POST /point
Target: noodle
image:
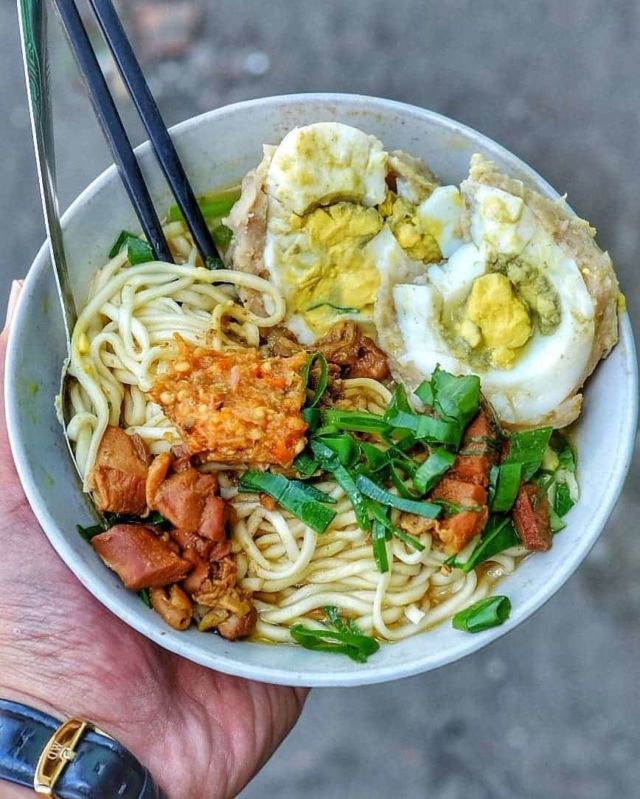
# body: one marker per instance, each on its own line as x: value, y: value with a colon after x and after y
x: 125, y: 337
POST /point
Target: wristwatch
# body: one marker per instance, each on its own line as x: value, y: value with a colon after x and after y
x: 70, y: 760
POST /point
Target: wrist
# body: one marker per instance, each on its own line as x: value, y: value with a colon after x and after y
x: 70, y: 758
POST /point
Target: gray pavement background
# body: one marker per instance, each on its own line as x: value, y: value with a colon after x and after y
x: 552, y: 710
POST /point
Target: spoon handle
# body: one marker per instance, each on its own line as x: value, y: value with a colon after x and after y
x: 32, y: 16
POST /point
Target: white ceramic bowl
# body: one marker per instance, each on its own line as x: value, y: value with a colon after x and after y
x: 217, y: 148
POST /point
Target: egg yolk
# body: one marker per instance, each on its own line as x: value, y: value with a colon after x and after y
x: 341, y: 278
x: 500, y: 320
x: 418, y: 243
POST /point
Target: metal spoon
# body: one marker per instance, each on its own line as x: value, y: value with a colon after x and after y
x: 32, y: 16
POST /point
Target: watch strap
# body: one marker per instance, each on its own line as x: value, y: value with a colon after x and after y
x: 101, y: 769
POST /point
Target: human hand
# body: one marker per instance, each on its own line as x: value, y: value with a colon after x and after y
x: 202, y: 735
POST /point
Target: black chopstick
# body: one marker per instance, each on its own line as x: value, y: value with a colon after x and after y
x: 165, y: 151
x: 113, y: 128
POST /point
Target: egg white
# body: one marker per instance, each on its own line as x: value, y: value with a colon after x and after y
x: 550, y: 366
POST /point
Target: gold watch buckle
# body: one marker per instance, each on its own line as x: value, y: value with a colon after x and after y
x: 58, y: 753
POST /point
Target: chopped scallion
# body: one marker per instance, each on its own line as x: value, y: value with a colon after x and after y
x: 527, y: 447
x: 499, y: 534
x: 431, y: 470
x: 490, y: 612
x: 292, y: 496
x: 387, y: 499
x: 323, y: 377
x: 358, y: 421
x: 506, y: 487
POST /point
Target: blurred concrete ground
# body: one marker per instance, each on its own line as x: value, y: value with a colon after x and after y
x: 552, y: 711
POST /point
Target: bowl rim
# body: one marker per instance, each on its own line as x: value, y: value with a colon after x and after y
x: 284, y: 676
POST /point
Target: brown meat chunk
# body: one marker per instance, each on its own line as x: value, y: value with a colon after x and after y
x: 119, y: 475
x: 222, y: 579
x: 472, y: 468
x: 235, y: 626
x: 416, y: 525
x: 215, y: 515
x: 531, y: 518
x: 481, y: 436
x: 185, y: 499
x: 157, y: 473
x: 456, y: 531
x: 235, y: 407
x: 460, y: 492
x: 357, y: 354
x: 139, y: 557
x: 173, y: 605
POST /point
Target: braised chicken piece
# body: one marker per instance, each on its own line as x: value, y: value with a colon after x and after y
x: 187, y: 499
x: 236, y: 407
x: 531, y: 518
x: 139, y: 557
x: 119, y: 475
x: 357, y: 354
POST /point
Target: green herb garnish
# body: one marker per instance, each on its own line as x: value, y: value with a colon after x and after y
x: 490, y: 612
x: 357, y: 421
x: 330, y: 462
x: 387, y: 499
x: 345, y: 639
x: 499, y: 534
x: 293, y: 496
x: 527, y: 448
x: 507, y: 483
x: 215, y: 207
x: 323, y: 378
x: 435, y: 466
x: 143, y: 593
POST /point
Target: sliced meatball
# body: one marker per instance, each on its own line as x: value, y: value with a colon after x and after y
x: 139, y: 557
x: 119, y: 475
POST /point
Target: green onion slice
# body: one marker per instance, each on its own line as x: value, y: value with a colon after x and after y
x: 386, y: 498
x: 506, y: 488
x: 222, y: 236
x: 292, y: 495
x: 323, y: 379
x: 376, y: 459
x: 215, y: 207
x: 90, y: 532
x: 143, y: 593
x: 379, y: 514
x: 379, y: 538
x: 490, y: 612
x: 305, y: 465
x: 345, y: 639
x: 428, y: 428
x: 213, y: 262
x: 424, y: 393
x: 431, y: 470
x: 330, y: 462
x: 397, y: 403
x: 527, y: 448
x: 357, y: 421
x: 456, y: 398
x: 138, y: 251
x: 499, y: 534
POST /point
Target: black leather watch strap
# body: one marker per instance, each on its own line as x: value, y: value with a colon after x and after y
x: 101, y: 769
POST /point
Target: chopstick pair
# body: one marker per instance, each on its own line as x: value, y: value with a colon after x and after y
x: 116, y: 135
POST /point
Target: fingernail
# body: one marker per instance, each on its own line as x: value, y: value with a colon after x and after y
x: 16, y: 288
